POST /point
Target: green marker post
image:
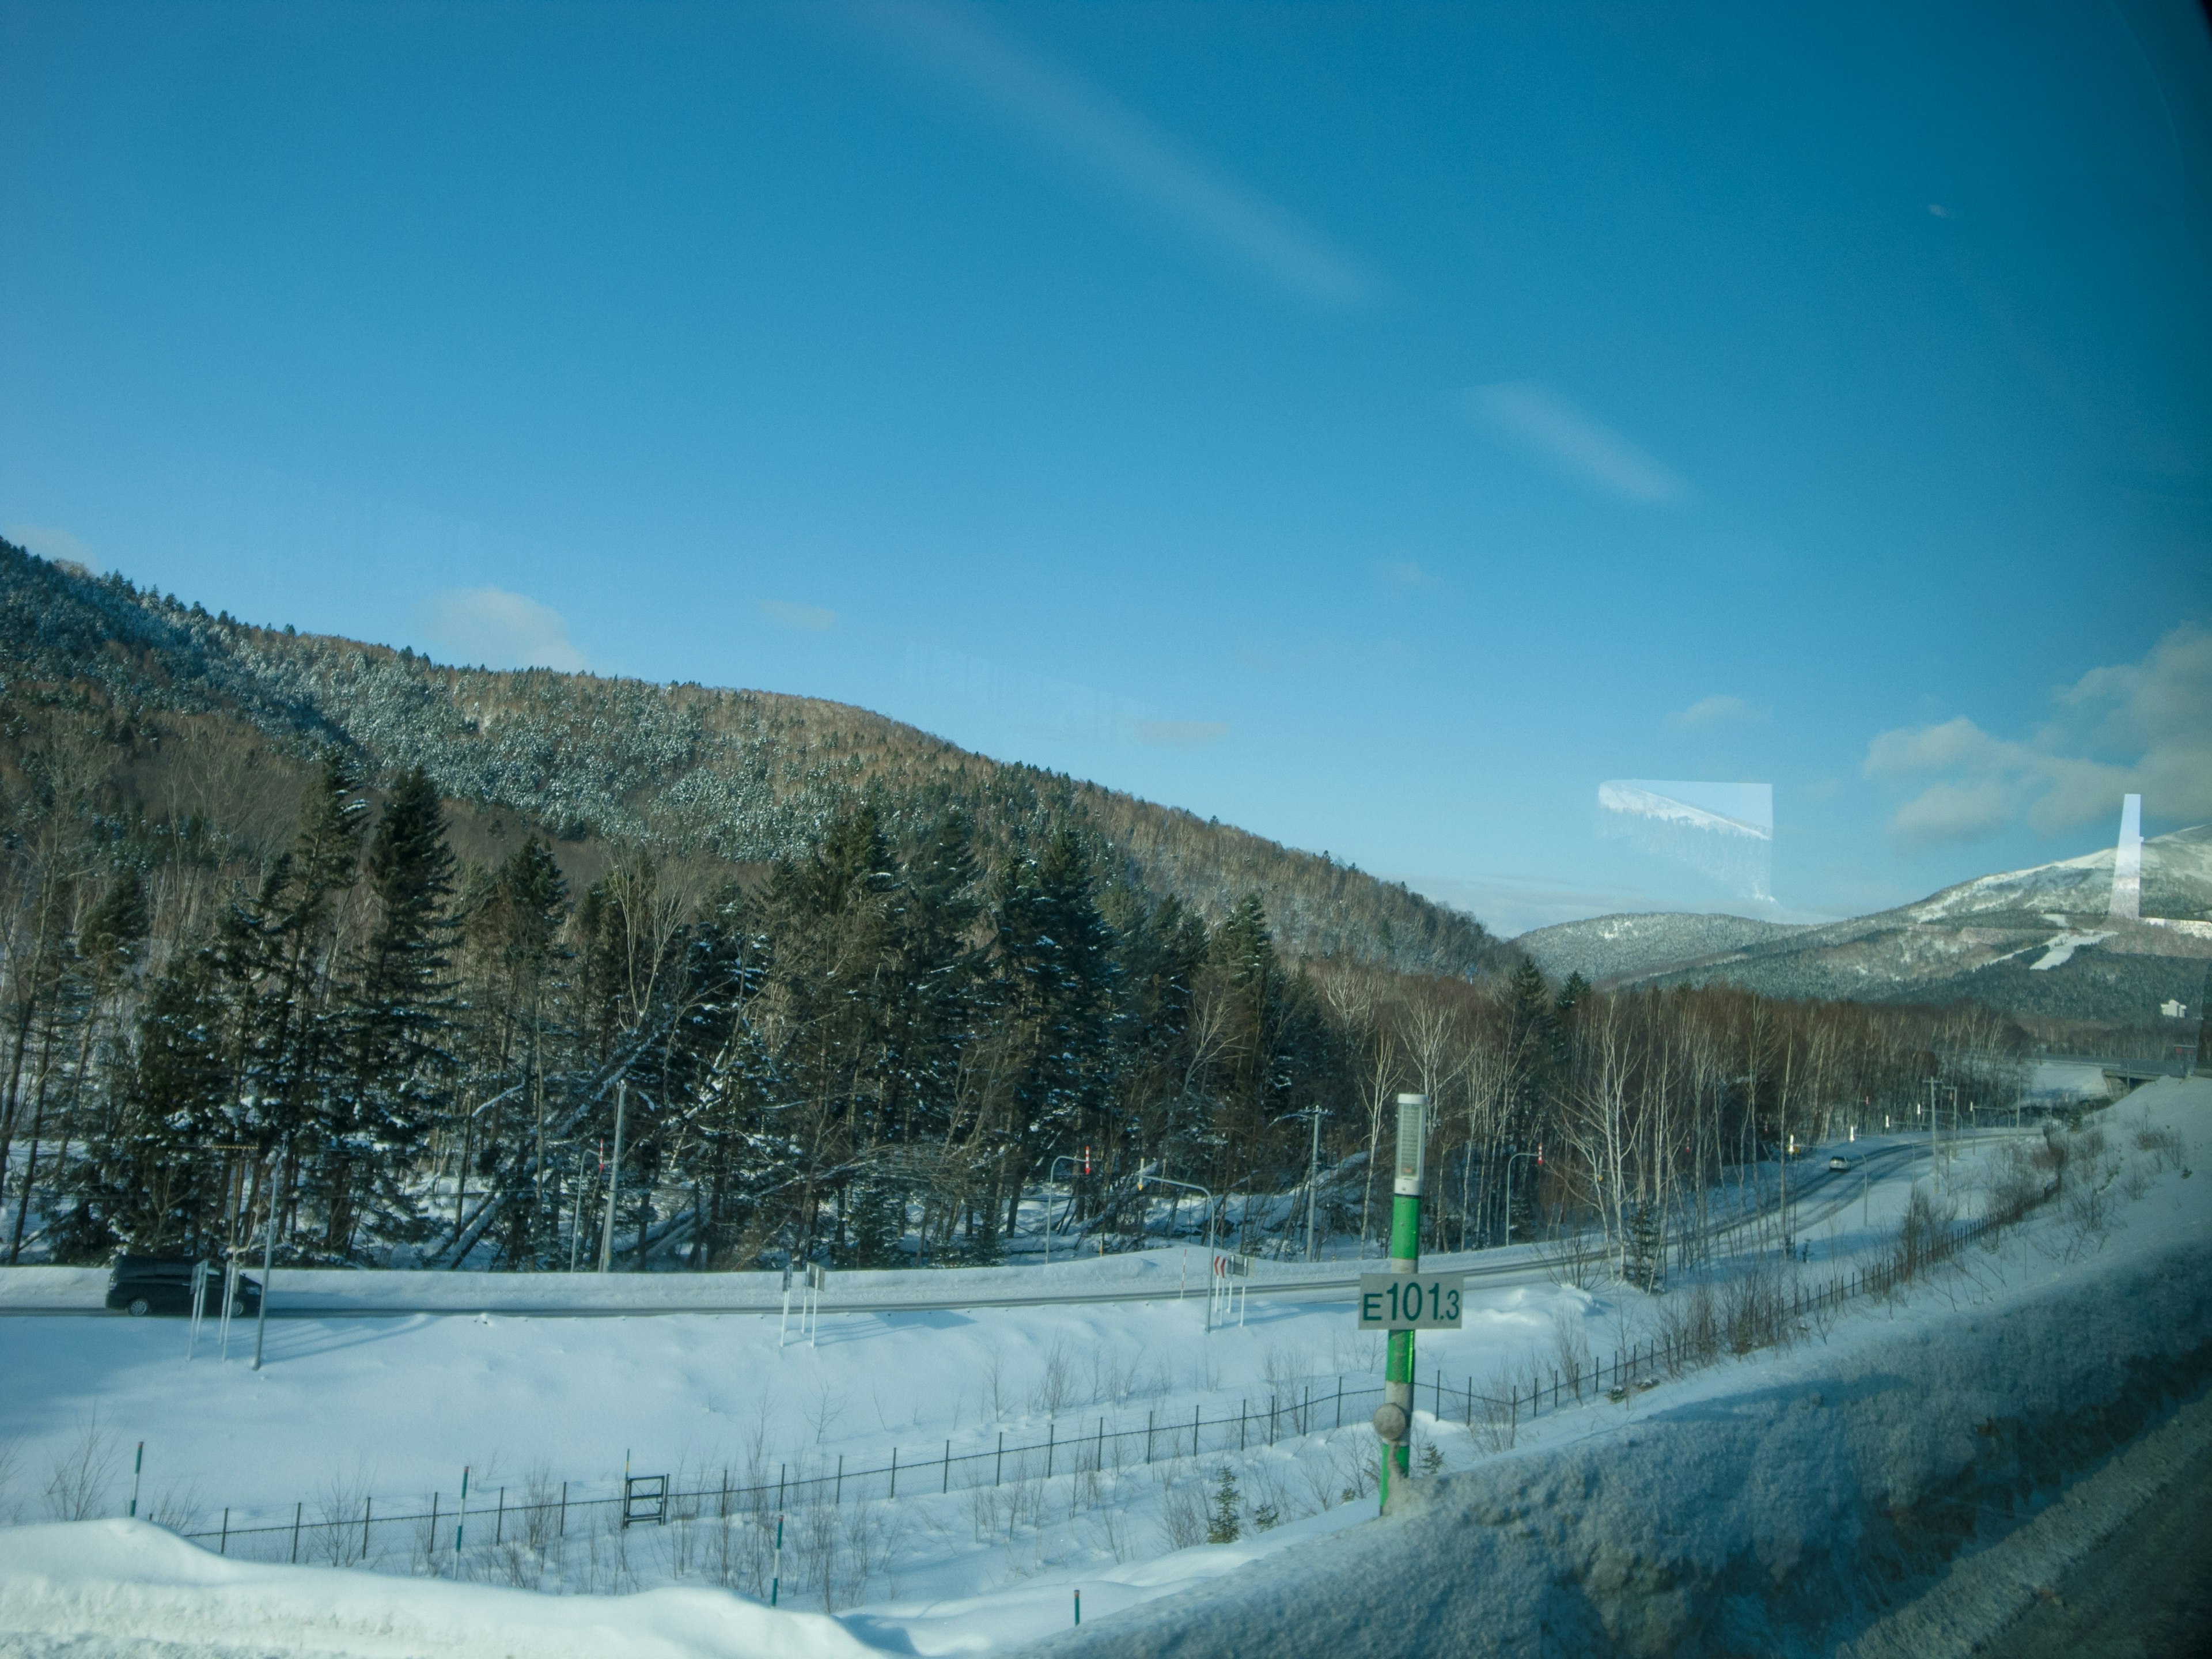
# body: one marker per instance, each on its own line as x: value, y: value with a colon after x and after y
x: 1394, y: 1419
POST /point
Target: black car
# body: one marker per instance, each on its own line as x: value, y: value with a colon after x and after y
x: 142, y: 1284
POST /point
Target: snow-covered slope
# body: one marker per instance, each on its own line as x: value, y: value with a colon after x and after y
x: 1770, y: 1507
x: 1606, y: 948
x: 1741, y: 1508
x: 2035, y: 941
x: 127, y: 1587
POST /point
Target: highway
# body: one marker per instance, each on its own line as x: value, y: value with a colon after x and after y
x: 1817, y: 1193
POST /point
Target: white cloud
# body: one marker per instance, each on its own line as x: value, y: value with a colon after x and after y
x: 800, y: 618
x: 1718, y: 710
x: 1539, y: 421
x: 1122, y: 147
x: 2141, y: 728
x: 48, y: 543
x: 500, y: 629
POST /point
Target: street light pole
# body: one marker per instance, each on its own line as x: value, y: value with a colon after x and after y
x: 614, y: 1178
x: 1538, y: 1156
x: 267, y: 1261
x: 1313, y: 1183
x: 1191, y: 1186
x: 1065, y: 1157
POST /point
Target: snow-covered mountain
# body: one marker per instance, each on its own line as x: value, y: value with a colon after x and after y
x: 1608, y: 948
x: 2037, y: 942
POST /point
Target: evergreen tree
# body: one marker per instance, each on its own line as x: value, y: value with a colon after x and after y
x: 399, y: 1060
x: 1225, y: 1522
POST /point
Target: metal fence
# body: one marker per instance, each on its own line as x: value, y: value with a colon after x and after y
x: 541, y: 1515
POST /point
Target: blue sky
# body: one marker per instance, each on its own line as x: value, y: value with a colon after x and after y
x: 1377, y: 427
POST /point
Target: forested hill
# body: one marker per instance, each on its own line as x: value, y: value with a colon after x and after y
x: 683, y: 770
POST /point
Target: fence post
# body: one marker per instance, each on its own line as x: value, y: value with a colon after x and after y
x: 1098, y: 1457
x: 1050, y: 1427
x: 433, y: 1526
x: 1240, y: 1425
x: 564, y: 1510
x: 837, y: 1493
x: 1339, y: 1401
x: 1470, y: 1400
x: 1193, y: 1431
x: 1149, y: 1411
x: 296, y: 1508
x: 499, y: 1521
x: 223, y: 1549
x: 998, y: 1469
x: 947, y: 1484
x: 365, y: 1506
x: 894, y: 1471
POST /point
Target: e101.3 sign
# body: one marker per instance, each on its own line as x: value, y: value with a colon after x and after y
x: 1409, y: 1302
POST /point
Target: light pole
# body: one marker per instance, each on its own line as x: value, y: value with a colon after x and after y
x: 1065, y: 1157
x: 1538, y: 1156
x: 1313, y: 1183
x: 268, y: 1258
x: 1188, y: 1187
x: 614, y: 1177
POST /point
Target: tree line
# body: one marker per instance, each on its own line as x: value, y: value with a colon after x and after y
x: 341, y: 1035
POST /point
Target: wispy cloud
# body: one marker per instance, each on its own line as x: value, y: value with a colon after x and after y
x: 49, y: 543
x: 1406, y: 574
x: 800, y: 618
x: 500, y: 629
x: 1717, y: 710
x: 1120, y: 147
x: 2142, y: 728
x: 1540, y: 423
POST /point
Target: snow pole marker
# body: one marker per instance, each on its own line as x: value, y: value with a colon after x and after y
x: 137, y: 1469
x: 1079, y: 1606
x: 775, y: 1579
x: 1393, y: 1419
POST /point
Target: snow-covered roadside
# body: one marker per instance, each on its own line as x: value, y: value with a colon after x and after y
x: 113, y: 1585
x: 1763, y: 1506
x: 959, y: 1593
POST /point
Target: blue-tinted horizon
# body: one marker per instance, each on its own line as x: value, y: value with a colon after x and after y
x: 1376, y: 429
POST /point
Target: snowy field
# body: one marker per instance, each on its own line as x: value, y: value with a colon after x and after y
x: 367, y: 1417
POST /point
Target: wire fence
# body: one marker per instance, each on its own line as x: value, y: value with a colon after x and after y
x: 346, y: 1530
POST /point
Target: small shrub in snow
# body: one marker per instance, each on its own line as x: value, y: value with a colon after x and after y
x: 1224, y: 1523
x: 77, y: 1483
x: 1182, y: 1507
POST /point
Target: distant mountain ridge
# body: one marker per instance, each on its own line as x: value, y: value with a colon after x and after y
x: 1607, y: 948
x: 742, y: 776
x: 2036, y: 942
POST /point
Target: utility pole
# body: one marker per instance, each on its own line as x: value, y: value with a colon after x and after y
x: 614, y: 1177
x: 1393, y: 1419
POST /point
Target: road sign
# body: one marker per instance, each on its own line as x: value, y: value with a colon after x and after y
x: 1410, y: 1302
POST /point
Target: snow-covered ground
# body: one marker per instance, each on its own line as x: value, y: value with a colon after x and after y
x: 386, y: 1412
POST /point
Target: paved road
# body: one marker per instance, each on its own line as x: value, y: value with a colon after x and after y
x: 1816, y: 1194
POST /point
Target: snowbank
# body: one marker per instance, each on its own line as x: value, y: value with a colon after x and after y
x: 1755, y: 1509
x: 106, y: 1586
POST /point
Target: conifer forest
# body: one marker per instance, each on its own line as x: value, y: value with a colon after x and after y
x: 240, y: 981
